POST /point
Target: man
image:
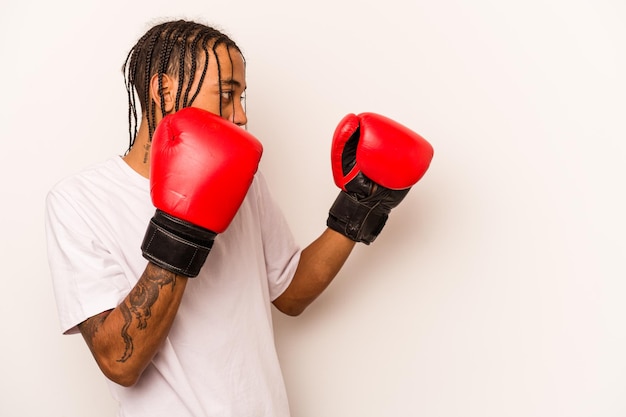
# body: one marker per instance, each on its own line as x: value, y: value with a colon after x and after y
x: 183, y: 326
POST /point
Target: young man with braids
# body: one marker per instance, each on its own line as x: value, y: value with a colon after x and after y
x: 167, y: 260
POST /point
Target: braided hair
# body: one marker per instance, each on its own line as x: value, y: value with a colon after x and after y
x: 174, y: 48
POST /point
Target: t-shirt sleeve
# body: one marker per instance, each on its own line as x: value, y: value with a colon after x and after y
x: 85, y: 276
x: 282, y: 253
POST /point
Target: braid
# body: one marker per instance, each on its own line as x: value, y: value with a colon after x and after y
x: 181, y: 69
x: 173, y: 48
x: 132, y: 111
x: 166, y: 51
x: 204, y: 69
x: 218, y: 42
x: 130, y: 79
x: 146, y: 86
x: 230, y: 58
x: 192, y: 71
x: 162, y: 69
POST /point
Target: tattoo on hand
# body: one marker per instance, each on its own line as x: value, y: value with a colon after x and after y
x: 90, y: 327
x: 140, y: 302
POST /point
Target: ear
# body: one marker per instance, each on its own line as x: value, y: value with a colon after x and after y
x: 168, y: 91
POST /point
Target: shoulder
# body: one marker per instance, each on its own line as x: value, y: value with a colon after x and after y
x: 97, y: 179
x: 84, y: 176
x: 97, y: 191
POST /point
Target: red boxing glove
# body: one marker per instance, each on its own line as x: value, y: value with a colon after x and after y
x: 375, y: 161
x: 201, y: 167
x: 387, y: 152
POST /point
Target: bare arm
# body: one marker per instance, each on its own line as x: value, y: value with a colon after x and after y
x: 124, y: 340
x: 319, y: 264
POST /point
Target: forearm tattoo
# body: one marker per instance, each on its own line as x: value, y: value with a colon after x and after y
x: 140, y: 302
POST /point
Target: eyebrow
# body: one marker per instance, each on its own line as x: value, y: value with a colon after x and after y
x: 231, y: 82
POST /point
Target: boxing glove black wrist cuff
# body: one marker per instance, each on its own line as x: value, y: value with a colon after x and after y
x: 355, y: 220
x: 176, y: 245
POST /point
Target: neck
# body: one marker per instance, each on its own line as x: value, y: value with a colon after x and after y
x: 138, y: 158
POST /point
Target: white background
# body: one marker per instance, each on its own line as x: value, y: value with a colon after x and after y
x: 497, y: 287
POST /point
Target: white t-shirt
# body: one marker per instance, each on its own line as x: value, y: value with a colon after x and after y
x: 219, y: 358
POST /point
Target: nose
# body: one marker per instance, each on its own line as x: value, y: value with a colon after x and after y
x: 238, y: 115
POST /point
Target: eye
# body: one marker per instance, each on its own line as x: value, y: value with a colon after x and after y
x: 227, y: 96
